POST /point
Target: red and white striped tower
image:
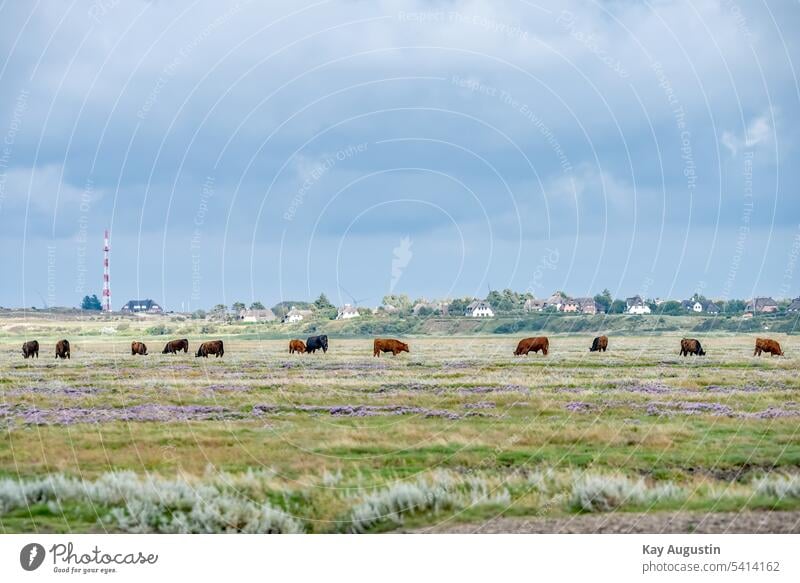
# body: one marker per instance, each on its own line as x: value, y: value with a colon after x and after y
x: 106, y: 277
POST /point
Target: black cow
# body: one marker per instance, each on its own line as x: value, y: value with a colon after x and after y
x: 315, y: 343
x: 30, y: 349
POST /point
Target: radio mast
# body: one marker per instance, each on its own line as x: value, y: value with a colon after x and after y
x: 106, y: 276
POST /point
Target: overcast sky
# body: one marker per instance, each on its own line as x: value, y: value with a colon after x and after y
x: 273, y: 150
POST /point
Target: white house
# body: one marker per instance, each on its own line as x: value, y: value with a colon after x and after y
x: 637, y: 306
x: 295, y: 315
x: 479, y: 309
x: 346, y: 312
x: 265, y: 315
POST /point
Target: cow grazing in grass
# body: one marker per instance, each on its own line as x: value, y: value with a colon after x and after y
x: 599, y: 344
x: 211, y: 347
x: 30, y: 349
x: 138, y: 348
x: 62, y: 349
x: 536, y: 344
x: 388, y: 345
x: 296, y: 346
x: 315, y: 343
x: 691, y: 346
x: 767, y: 345
x: 175, y: 346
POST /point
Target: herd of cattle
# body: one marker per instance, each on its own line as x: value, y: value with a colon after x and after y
x: 381, y: 345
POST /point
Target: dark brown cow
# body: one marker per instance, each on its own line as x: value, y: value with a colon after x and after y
x: 691, y: 346
x: 388, y: 345
x: 138, y: 348
x: 62, y: 349
x: 30, y: 349
x: 536, y: 344
x: 175, y: 346
x: 767, y: 345
x: 297, y: 346
x: 211, y: 347
x: 599, y: 344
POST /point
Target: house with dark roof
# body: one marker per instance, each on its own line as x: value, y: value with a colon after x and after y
x: 534, y: 305
x: 587, y: 306
x: 141, y: 307
x: 794, y: 306
x: 762, y: 306
x: 698, y: 306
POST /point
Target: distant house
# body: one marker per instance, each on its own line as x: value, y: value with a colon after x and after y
x: 425, y: 304
x: 692, y: 305
x: 479, y: 309
x: 762, y: 306
x: 636, y: 305
x: 557, y: 301
x: 295, y: 315
x: 571, y: 306
x: 698, y: 306
x: 142, y: 307
x: 587, y: 306
x: 794, y: 306
x: 533, y: 305
x: 265, y: 315
x: 346, y: 312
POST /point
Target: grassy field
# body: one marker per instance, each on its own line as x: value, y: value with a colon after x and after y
x: 459, y: 430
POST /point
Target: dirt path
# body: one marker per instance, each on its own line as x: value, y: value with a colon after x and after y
x: 622, y: 523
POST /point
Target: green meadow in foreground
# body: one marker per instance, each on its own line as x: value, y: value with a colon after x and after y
x: 458, y: 430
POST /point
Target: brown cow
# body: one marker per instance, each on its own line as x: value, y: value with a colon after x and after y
x: 211, y: 347
x: 691, y: 346
x: 599, y: 344
x: 388, y: 345
x: 536, y: 344
x: 175, y: 346
x: 767, y: 345
x: 138, y: 348
x: 62, y: 349
x: 296, y: 346
x: 30, y: 349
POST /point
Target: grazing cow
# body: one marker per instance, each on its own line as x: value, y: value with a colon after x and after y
x: 388, y: 345
x: 599, y: 344
x: 30, y: 348
x: 175, y: 346
x: 315, y: 343
x: 62, y: 349
x: 691, y: 346
x: 138, y: 348
x: 296, y: 346
x: 767, y: 345
x: 536, y: 344
x: 211, y: 347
